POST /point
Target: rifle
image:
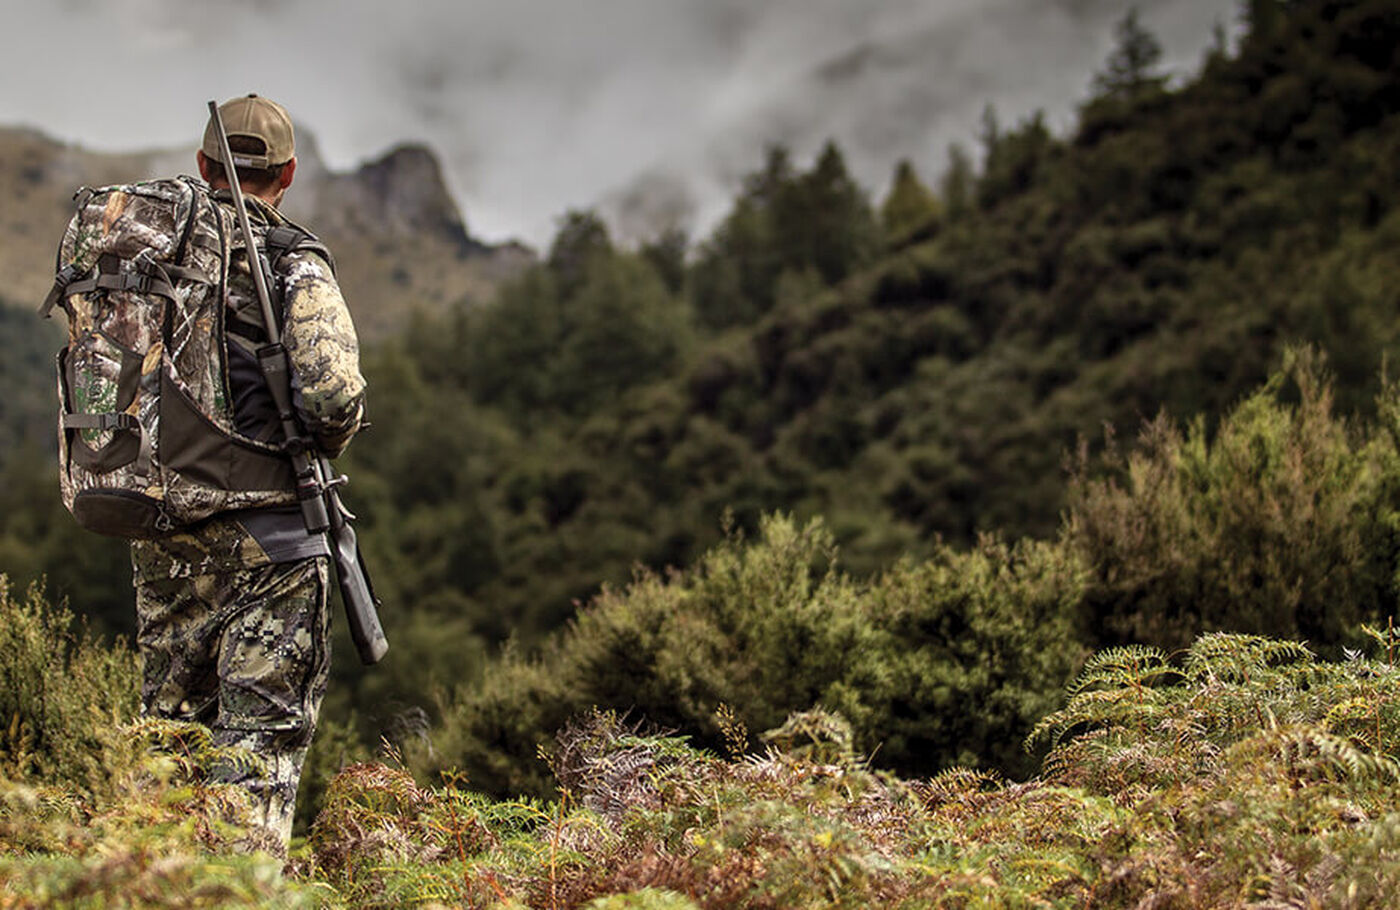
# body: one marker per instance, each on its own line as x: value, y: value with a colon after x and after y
x: 318, y: 488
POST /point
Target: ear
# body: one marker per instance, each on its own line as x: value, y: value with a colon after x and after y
x: 203, y: 161
x: 288, y: 171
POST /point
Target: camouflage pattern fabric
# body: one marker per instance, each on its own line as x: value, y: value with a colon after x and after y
x: 220, y: 544
x: 106, y: 330
x: 246, y: 653
x: 317, y: 332
x: 146, y: 218
x: 228, y: 637
x: 122, y: 428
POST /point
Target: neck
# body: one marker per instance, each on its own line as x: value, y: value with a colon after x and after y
x: 271, y: 198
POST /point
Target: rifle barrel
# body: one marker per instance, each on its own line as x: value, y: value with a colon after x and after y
x: 274, y: 334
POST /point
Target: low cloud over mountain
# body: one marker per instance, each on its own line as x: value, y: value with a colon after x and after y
x: 535, y: 106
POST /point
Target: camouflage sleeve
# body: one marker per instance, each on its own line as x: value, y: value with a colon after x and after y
x: 324, y: 352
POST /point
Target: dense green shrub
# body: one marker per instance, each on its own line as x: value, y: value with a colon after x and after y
x: 1282, y: 521
x: 1281, y: 518
x: 934, y: 663
x: 62, y: 694
x: 1242, y: 772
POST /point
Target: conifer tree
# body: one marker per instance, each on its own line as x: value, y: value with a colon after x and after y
x: 739, y: 264
x: 667, y: 253
x: 582, y: 236
x: 783, y: 221
x: 958, y: 181
x: 1263, y: 16
x: 1130, y: 67
x: 910, y: 206
x: 827, y: 220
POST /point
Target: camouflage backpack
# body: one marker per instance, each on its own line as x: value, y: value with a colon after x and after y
x: 146, y: 436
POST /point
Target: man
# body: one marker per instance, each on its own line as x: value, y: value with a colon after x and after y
x: 232, y: 614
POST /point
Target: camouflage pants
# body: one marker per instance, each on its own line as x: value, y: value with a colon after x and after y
x: 247, y: 654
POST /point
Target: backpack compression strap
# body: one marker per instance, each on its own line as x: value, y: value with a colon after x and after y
x: 147, y: 278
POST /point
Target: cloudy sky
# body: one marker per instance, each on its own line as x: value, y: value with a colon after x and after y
x: 650, y: 110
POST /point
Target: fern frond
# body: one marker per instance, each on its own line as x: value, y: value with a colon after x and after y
x: 1099, y: 708
x: 176, y: 736
x: 956, y: 783
x: 234, y: 763
x: 1126, y: 665
x: 1352, y: 717
x: 1306, y: 753
x: 1236, y: 657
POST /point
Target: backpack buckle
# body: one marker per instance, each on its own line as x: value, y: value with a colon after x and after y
x: 140, y: 282
x: 66, y: 276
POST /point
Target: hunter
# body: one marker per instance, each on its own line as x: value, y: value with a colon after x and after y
x: 232, y: 612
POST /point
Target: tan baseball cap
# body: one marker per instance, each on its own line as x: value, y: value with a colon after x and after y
x: 258, y: 117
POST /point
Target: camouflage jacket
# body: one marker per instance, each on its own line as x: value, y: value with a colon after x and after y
x: 317, y: 332
x: 328, y: 389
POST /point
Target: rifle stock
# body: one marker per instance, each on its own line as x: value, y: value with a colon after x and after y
x: 317, y: 487
x: 355, y: 588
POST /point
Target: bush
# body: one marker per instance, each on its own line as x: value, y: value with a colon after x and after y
x: 1282, y: 522
x: 62, y: 694
x: 946, y: 661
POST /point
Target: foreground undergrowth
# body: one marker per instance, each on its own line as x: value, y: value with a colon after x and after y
x: 1243, y: 771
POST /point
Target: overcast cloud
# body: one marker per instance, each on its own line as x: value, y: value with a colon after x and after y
x: 651, y: 110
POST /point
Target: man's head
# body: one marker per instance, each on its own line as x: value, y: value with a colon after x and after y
x: 264, y: 150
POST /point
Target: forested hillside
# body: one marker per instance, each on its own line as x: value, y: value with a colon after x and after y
x: 916, y: 371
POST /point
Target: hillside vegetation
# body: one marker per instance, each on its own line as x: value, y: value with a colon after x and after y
x: 1244, y: 771
x: 1047, y: 519
x: 911, y: 375
x: 920, y: 374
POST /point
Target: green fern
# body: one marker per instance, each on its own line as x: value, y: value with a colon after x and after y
x: 1233, y: 657
x: 1133, y: 666
x: 1309, y: 753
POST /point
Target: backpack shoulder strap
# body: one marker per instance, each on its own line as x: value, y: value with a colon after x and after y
x: 293, y: 238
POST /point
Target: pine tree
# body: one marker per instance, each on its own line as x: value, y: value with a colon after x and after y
x: 1129, y: 69
x: 667, y: 253
x: 958, y: 182
x: 783, y: 222
x: 910, y: 206
x: 738, y: 266
x: 582, y: 236
x: 826, y: 221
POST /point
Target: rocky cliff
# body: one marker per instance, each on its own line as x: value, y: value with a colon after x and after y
x: 400, y: 242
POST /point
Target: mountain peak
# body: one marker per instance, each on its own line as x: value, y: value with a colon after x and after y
x: 400, y: 194
x: 396, y: 232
